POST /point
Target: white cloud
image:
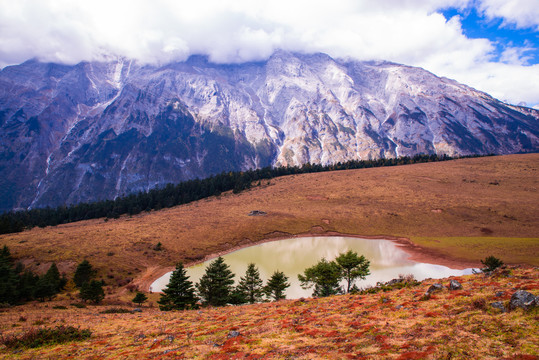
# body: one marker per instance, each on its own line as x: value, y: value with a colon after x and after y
x: 522, y: 13
x: 405, y: 31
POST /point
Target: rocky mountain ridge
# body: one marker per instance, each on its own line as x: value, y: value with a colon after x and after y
x: 99, y: 130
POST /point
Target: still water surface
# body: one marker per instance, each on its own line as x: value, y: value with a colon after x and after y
x: 293, y: 256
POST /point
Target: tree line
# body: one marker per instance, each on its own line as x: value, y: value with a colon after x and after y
x: 182, y: 193
x: 216, y: 286
x: 19, y: 285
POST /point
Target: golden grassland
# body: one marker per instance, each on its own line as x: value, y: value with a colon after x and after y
x: 398, y: 324
x: 455, y: 212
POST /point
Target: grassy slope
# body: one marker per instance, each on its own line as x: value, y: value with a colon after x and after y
x: 392, y: 325
x: 490, y: 204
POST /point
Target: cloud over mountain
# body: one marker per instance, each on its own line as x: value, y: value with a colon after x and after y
x: 232, y: 31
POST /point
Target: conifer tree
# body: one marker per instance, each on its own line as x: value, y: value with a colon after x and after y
x: 139, y: 298
x: 251, y: 284
x: 276, y: 286
x: 179, y: 293
x: 53, y: 276
x: 44, y: 288
x: 27, y: 285
x: 216, y: 284
x: 9, y: 279
x: 93, y: 291
x: 84, y: 273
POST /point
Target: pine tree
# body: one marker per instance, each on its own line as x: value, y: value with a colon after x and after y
x: 83, y: 274
x: 353, y: 267
x: 93, y: 291
x: 139, y: 298
x: 276, y: 286
x: 215, y: 286
x: 237, y: 297
x: 9, y: 279
x: 53, y: 276
x: 179, y: 293
x: 251, y: 284
x: 27, y: 285
x: 44, y: 288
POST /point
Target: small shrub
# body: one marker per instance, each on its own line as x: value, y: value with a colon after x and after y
x: 78, y: 305
x: 491, y: 263
x: 479, y: 304
x: 42, y: 337
x: 59, y: 307
x: 116, y: 311
x: 158, y: 247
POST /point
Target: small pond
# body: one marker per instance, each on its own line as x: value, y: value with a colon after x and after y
x: 293, y: 256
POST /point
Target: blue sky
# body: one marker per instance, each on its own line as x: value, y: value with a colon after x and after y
x: 491, y: 45
x: 476, y: 25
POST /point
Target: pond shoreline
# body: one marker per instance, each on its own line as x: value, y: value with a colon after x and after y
x: 416, y: 253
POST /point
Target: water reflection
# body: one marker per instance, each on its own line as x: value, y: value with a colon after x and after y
x: 293, y: 256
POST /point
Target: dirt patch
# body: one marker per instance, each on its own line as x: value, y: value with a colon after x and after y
x: 317, y: 197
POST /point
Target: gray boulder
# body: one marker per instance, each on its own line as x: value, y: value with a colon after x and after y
x: 434, y: 288
x: 498, y: 305
x: 524, y: 300
x: 454, y: 285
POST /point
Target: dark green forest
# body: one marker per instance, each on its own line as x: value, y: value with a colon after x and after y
x: 182, y: 193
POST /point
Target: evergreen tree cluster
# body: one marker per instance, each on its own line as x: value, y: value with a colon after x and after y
x: 182, y: 193
x: 216, y: 287
x: 90, y: 289
x: 18, y: 285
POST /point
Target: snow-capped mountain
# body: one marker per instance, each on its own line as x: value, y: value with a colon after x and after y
x: 99, y: 130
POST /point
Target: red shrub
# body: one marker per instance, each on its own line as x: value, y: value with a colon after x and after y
x: 413, y: 355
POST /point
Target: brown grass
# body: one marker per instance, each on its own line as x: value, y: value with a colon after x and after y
x: 491, y: 200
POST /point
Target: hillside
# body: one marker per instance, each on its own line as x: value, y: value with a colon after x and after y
x: 452, y: 213
x: 399, y: 324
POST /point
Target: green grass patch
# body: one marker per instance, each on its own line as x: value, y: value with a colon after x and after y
x: 116, y: 311
x: 43, y: 337
x: 509, y: 250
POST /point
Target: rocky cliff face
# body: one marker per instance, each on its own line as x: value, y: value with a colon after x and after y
x: 99, y: 130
